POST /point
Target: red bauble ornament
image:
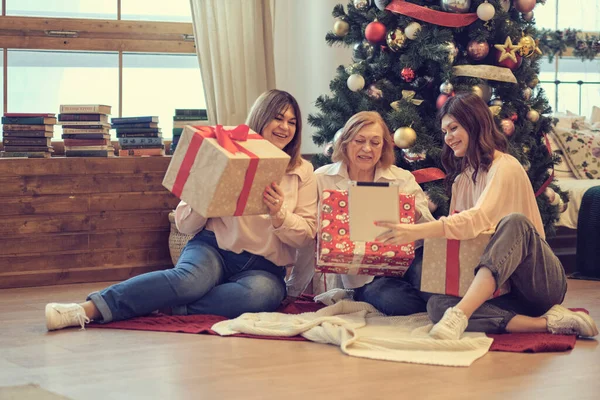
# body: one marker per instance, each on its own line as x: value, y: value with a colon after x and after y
x: 478, y: 50
x: 375, y: 32
x: 508, y: 62
x: 514, y: 117
x: 441, y: 100
x: 507, y: 126
x: 407, y: 74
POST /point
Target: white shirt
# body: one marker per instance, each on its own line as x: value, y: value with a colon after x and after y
x: 504, y: 189
x: 335, y: 177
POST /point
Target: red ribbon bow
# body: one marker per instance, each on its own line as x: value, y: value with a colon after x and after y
x: 228, y: 139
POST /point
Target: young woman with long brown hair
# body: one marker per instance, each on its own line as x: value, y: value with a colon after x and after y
x: 232, y: 265
x: 491, y: 190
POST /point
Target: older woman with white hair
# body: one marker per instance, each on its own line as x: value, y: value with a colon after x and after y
x: 365, y: 152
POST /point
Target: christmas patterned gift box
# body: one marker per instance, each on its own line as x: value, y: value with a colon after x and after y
x: 449, y: 265
x: 223, y: 171
x: 336, y: 253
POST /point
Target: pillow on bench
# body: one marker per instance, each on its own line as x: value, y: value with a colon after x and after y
x: 581, y: 150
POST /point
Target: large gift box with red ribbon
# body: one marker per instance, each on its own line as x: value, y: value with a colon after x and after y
x: 223, y: 171
x: 336, y: 253
x: 449, y: 265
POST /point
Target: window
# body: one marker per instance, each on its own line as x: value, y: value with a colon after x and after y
x: 40, y: 81
x: 144, y: 10
x: 579, y: 87
x: 99, y: 9
x: 157, y: 84
x: 79, y: 51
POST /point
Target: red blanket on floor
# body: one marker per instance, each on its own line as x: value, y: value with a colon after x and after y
x: 511, y: 342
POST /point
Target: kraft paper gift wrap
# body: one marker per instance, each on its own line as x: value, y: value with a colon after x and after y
x: 223, y: 171
x: 449, y: 265
x: 336, y: 253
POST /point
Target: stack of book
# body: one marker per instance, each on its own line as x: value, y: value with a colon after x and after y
x: 86, y: 130
x: 28, y: 135
x: 139, y: 136
x: 185, y: 117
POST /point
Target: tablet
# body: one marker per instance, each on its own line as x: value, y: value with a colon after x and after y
x: 369, y: 202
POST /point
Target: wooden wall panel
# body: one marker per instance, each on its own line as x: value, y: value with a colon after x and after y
x: 69, y: 220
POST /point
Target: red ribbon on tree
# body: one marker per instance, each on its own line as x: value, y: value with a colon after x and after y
x: 428, y: 175
x: 227, y: 139
x: 440, y: 18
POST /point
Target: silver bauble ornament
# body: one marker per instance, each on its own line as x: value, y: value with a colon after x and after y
x: 505, y: 5
x: 363, y: 51
x: 341, y: 28
x: 528, y: 16
x: 496, y: 101
x: 381, y: 4
x: 412, y: 30
x: 533, y: 115
x: 362, y: 5
x: 355, y: 82
x: 396, y: 39
x: 486, y: 11
x: 446, y: 87
x: 405, y: 137
x: 527, y: 92
x: 456, y: 6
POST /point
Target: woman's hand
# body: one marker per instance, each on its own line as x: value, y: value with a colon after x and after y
x: 273, y: 197
x: 398, y: 233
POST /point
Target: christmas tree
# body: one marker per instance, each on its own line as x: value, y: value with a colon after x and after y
x: 410, y: 56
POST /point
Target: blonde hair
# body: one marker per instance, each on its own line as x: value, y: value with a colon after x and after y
x: 266, y: 108
x: 353, y: 126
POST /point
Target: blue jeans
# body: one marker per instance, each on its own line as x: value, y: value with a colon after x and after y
x: 206, y: 280
x: 397, y: 296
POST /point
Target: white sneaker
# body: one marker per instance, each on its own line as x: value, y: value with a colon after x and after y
x: 562, y: 321
x: 60, y: 316
x: 451, y: 326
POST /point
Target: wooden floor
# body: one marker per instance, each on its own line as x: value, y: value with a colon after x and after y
x: 115, y: 364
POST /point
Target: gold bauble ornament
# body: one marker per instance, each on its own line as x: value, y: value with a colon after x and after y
x: 533, y: 83
x: 341, y: 28
x: 396, y: 39
x: 527, y: 46
x: 405, y: 137
x: 495, y: 110
x: 533, y: 115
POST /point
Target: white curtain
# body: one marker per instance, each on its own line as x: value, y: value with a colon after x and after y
x: 234, y: 42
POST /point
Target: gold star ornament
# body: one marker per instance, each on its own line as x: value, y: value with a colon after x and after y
x: 508, y: 50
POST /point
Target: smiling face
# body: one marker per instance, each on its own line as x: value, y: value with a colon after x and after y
x: 281, y: 130
x: 455, y: 136
x: 364, y: 149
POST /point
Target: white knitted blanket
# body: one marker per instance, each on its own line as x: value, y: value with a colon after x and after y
x: 361, y: 331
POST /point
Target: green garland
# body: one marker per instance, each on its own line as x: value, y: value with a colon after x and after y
x: 555, y: 43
